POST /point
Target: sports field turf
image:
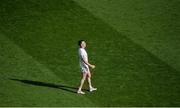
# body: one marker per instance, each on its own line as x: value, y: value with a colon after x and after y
x: 134, y: 44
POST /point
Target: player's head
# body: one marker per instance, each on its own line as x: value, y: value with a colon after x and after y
x: 82, y: 43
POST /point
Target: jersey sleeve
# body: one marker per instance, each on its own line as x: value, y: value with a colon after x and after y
x: 81, y: 54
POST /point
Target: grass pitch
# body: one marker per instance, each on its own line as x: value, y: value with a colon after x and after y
x: 39, y: 62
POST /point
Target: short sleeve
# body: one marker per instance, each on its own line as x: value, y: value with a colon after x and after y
x: 81, y: 54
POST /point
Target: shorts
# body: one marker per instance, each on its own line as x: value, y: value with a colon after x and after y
x: 85, y: 69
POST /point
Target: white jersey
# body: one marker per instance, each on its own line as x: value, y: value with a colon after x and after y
x: 83, y: 54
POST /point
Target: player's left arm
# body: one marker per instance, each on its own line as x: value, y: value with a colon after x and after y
x: 87, y: 63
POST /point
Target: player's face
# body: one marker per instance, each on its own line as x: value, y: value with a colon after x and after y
x: 83, y: 44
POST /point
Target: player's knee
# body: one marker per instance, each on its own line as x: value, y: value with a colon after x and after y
x: 84, y: 78
x: 89, y: 76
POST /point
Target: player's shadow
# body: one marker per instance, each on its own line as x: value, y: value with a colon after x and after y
x: 44, y: 84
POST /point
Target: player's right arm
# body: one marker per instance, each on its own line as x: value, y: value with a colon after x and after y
x: 84, y: 59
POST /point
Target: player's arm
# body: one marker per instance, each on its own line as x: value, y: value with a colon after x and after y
x: 87, y: 63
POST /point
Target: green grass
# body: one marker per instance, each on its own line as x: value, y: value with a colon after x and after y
x: 152, y: 24
x: 39, y: 62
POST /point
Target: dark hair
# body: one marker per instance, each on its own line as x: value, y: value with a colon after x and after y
x: 79, y: 42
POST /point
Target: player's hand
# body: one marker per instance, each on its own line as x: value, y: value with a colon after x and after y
x: 93, y: 66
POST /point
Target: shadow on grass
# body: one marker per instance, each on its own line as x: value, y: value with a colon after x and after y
x: 44, y: 84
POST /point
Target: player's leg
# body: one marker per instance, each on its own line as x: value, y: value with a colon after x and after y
x: 82, y: 82
x: 89, y: 81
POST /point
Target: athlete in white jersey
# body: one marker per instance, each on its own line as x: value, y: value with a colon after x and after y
x: 84, y: 65
x: 83, y: 55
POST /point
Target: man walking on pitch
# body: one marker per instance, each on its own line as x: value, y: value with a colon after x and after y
x: 84, y: 65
